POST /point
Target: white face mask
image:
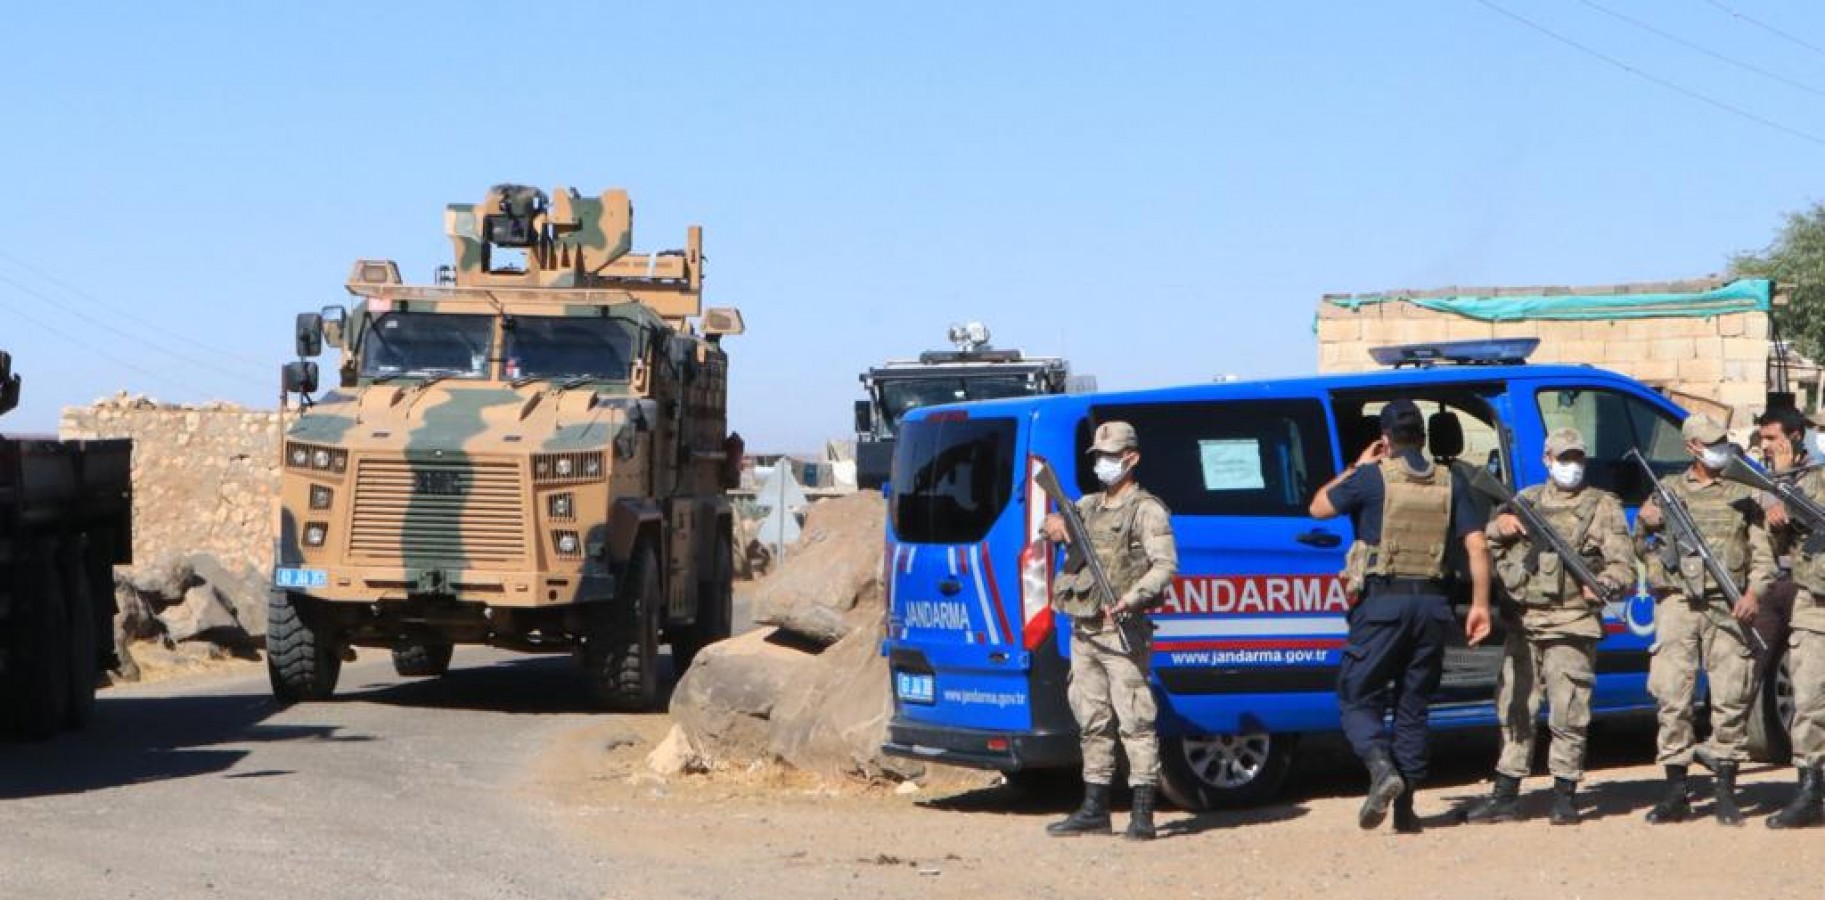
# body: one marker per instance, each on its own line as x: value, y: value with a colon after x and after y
x: 1108, y: 469
x: 1567, y: 475
x: 1715, y: 458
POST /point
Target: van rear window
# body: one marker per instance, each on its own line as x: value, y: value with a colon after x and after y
x: 1228, y: 457
x: 951, y: 479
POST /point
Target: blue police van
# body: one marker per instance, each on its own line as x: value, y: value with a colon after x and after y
x: 1248, y: 640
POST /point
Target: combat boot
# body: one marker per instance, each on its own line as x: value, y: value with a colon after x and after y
x: 1502, y: 805
x: 1140, y: 823
x: 1385, y: 785
x: 1565, y: 807
x: 1406, y: 821
x: 1808, y: 807
x: 1673, y: 805
x: 1726, y: 811
x: 1090, y: 818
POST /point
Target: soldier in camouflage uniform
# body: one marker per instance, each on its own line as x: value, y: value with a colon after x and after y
x: 1553, y: 625
x: 1694, y: 625
x: 1132, y: 534
x: 1806, y: 661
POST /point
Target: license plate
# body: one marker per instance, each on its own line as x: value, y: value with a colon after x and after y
x: 913, y: 688
x: 300, y: 578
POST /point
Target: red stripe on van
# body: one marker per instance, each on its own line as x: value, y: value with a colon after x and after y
x: 988, y: 572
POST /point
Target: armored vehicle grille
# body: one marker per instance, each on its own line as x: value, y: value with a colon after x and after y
x: 456, y: 511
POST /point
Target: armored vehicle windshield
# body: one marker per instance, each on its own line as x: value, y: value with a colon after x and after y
x: 427, y: 344
x: 899, y: 395
x: 570, y: 347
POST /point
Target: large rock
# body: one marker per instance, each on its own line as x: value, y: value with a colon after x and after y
x: 203, y: 613
x: 832, y: 718
x: 240, y: 585
x: 834, y: 568
x: 165, y: 578
x: 722, y: 704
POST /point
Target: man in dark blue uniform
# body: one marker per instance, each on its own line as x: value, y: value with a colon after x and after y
x: 1407, y: 512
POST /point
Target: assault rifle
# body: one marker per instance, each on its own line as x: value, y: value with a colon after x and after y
x: 1544, y: 539
x: 1080, y: 553
x: 1807, y: 510
x: 1686, y: 540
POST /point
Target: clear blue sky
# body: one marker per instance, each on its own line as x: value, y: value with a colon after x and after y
x: 1160, y: 192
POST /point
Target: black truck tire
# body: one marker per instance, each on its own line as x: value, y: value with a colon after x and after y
x: 422, y: 657
x: 715, y: 611
x: 37, y: 693
x: 81, y: 609
x: 303, y: 660
x: 621, y: 645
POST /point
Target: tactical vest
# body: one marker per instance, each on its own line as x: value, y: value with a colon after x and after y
x: 1809, y: 563
x: 1546, y: 583
x: 1112, y: 534
x: 1715, y: 511
x: 1415, y: 527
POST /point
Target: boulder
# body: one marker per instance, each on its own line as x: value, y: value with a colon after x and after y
x: 723, y: 702
x: 240, y: 585
x: 164, y: 579
x: 832, y: 718
x: 203, y: 613
x: 834, y: 568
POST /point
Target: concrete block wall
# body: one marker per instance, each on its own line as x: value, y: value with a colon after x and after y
x: 204, y: 477
x: 1723, y: 359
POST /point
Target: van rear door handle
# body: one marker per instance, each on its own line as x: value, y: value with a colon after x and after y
x: 1319, y: 537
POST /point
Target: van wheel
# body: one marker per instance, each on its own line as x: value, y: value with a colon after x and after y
x: 1771, y: 716
x: 715, y: 612
x: 422, y: 657
x: 303, y: 656
x: 1224, y: 770
x: 621, y: 646
x: 36, y: 704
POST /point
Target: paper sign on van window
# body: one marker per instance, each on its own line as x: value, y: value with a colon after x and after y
x: 1231, y: 465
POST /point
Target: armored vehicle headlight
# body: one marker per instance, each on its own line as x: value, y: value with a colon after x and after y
x: 592, y: 465
x: 561, y: 506
x: 321, y: 496
x: 564, y: 467
x: 300, y: 456
x: 320, y: 458
x: 567, y: 543
x: 315, y: 533
x: 541, y: 467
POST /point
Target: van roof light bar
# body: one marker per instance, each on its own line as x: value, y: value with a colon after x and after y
x: 1503, y: 351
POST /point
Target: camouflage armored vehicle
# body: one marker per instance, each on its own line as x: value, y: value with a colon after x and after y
x: 66, y: 514
x: 971, y: 371
x: 530, y: 453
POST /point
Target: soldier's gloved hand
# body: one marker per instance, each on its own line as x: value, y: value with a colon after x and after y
x: 1747, y: 607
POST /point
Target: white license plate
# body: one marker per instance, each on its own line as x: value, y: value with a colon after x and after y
x: 300, y: 578
x: 913, y: 688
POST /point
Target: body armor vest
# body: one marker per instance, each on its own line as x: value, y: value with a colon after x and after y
x: 1415, y: 522
x: 1545, y: 583
x: 1113, y: 537
x: 1717, y: 512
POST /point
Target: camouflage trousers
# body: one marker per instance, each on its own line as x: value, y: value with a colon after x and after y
x: 1688, y: 636
x: 1806, y: 663
x: 1110, y: 697
x: 1563, y: 671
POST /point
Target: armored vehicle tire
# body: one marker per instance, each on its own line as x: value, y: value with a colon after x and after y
x: 422, y: 657
x: 1771, y: 715
x: 37, y: 700
x: 621, y: 647
x: 1224, y: 770
x: 303, y: 660
x: 81, y: 607
x: 715, y: 612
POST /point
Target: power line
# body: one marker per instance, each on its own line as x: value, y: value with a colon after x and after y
x: 1691, y: 45
x: 1769, y: 28
x: 120, y: 332
x: 80, y: 343
x: 1678, y: 89
x: 148, y: 323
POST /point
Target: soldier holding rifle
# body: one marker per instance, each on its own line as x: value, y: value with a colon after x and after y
x: 1130, y: 533
x: 1706, y: 587
x: 1562, y: 551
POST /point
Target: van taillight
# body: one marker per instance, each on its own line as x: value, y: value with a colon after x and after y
x: 1035, y: 566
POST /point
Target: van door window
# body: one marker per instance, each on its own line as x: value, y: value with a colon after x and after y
x: 951, y: 478
x: 1613, y: 423
x: 1228, y: 458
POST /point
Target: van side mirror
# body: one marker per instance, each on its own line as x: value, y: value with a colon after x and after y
x: 864, y: 417
x: 308, y: 334
x: 334, y: 319
x: 299, y: 377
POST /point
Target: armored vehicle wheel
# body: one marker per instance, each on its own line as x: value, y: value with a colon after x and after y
x: 1771, y: 715
x: 38, y: 699
x: 715, y: 612
x: 81, y: 610
x: 621, y: 648
x: 1223, y: 770
x: 423, y: 657
x: 303, y: 659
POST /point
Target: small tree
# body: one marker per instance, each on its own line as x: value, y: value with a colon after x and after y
x: 1796, y: 261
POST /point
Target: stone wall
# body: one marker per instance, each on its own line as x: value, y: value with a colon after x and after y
x: 204, y: 477
x: 1721, y: 360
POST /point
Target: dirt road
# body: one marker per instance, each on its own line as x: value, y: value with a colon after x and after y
x: 493, y: 782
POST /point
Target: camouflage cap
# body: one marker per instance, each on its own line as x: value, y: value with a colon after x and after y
x: 1114, y: 437
x: 1564, y: 440
x: 1703, y: 429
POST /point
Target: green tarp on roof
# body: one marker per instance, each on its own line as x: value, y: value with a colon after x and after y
x: 1742, y: 295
